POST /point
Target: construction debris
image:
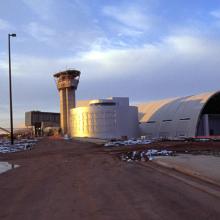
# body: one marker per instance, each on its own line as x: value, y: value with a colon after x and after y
x: 24, y: 144
x: 144, y: 155
x: 127, y: 142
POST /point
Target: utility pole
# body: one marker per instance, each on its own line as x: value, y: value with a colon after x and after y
x: 10, y: 86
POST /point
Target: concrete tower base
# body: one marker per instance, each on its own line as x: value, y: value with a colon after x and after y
x: 67, y: 82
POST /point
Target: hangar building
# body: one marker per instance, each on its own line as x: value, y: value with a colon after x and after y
x: 191, y: 116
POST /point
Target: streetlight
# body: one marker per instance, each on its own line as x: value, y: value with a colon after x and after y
x: 10, y: 85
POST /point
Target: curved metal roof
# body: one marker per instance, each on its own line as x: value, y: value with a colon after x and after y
x: 173, y: 117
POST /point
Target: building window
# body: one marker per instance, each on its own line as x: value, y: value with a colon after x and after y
x: 103, y: 104
x: 184, y: 119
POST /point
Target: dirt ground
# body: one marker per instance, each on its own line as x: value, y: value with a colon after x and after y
x: 61, y: 179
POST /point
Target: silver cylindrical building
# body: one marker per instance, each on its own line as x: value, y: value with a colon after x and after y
x: 105, y: 119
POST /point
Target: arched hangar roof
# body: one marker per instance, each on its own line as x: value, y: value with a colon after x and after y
x: 174, y: 117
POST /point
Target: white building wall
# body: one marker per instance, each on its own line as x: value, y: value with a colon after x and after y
x: 105, y: 122
x: 172, y: 118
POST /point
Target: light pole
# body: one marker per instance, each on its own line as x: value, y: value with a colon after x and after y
x: 10, y: 85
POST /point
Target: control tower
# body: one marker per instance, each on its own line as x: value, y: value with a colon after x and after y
x: 67, y: 82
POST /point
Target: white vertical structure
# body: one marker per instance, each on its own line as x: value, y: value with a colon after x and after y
x: 67, y: 82
x: 105, y: 119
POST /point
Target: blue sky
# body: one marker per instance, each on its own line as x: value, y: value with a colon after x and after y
x: 144, y: 49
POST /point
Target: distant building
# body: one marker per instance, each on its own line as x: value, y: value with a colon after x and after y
x: 40, y: 120
x: 191, y: 116
x: 105, y: 119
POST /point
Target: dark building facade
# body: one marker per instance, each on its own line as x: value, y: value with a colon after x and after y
x: 39, y: 120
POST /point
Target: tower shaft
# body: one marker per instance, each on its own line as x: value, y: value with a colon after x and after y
x: 67, y: 82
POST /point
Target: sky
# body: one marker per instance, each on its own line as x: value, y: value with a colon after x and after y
x: 141, y: 49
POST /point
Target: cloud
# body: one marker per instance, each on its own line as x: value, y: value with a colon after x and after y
x: 131, y: 17
x: 163, y: 58
x: 4, y: 25
x: 190, y: 45
x: 66, y: 39
x: 42, y: 9
x: 216, y: 13
x: 177, y: 65
x: 33, y: 88
x: 133, y: 49
x: 40, y: 32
